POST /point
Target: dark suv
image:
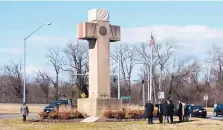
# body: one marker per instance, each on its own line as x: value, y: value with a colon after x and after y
x: 218, y: 110
x: 197, y: 111
x: 54, y: 104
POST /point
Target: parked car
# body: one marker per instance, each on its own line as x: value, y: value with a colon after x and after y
x: 218, y: 110
x: 189, y: 107
x: 197, y: 111
x: 54, y: 104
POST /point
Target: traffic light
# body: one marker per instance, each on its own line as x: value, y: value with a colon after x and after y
x: 114, y: 79
x: 143, y: 81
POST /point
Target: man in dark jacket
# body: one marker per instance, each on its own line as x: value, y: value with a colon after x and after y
x: 170, y: 111
x: 160, y: 112
x: 164, y: 111
x: 179, y: 111
x: 149, y: 111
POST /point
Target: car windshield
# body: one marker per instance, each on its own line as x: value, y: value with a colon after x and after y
x: 197, y: 107
x: 220, y: 105
x: 52, y: 104
x: 58, y: 102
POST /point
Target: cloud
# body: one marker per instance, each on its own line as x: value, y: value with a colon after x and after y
x: 31, y: 69
x: 163, y: 32
x: 14, y: 51
x: 192, y: 39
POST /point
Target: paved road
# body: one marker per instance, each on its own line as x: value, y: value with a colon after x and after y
x: 211, y: 116
x: 5, y: 116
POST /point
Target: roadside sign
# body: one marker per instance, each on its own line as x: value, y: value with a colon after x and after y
x: 206, y: 97
x: 161, y: 95
x: 125, y: 97
x: 83, y: 95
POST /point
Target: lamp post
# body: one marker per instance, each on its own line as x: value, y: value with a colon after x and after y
x: 24, y: 75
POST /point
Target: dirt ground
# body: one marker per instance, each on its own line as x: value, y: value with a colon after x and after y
x: 9, y: 108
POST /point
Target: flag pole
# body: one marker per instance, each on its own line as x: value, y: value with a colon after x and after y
x: 151, y: 74
x: 151, y: 69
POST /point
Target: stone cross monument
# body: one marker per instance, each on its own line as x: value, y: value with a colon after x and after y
x: 99, y: 34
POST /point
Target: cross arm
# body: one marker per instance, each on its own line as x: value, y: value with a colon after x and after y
x: 86, y: 31
x: 115, y: 33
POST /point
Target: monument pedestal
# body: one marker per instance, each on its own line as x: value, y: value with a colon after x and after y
x: 96, y: 106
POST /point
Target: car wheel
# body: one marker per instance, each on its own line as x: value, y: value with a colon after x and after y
x: 215, y: 114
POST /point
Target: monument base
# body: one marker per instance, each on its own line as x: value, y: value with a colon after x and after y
x: 96, y: 106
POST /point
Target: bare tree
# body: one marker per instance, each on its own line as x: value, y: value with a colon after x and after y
x: 143, y: 53
x: 127, y: 59
x: 44, y: 81
x: 215, y: 61
x: 185, y: 75
x: 163, y: 51
x: 77, y: 63
x: 56, y: 60
x: 14, y: 82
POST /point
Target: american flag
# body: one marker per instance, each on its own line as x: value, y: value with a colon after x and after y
x: 152, y: 41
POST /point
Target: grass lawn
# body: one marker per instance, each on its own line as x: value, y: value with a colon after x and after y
x: 195, y: 124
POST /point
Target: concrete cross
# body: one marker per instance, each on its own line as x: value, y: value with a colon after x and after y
x: 99, y: 34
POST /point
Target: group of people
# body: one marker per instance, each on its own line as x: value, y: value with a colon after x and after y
x: 165, y: 111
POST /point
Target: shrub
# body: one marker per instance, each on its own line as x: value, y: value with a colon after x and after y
x: 109, y: 114
x: 64, y: 115
x: 43, y: 115
x: 76, y: 114
x: 135, y: 114
x: 65, y: 108
x: 53, y: 115
x: 119, y: 114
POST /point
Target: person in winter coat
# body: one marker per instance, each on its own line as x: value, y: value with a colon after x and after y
x: 186, y: 113
x: 164, y: 106
x: 24, y: 111
x: 170, y: 111
x: 180, y: 111
x: 160, y: 111
x: 149, y: 111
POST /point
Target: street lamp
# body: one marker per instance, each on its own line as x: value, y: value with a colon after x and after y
x: 24, y: 75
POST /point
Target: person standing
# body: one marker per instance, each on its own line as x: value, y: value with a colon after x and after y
x: 149, y: 111
x: 170, y: 111
x: 24, y: 111
x: 215, y: 105
x: 164, y: 106
x: 160, y: 112
x: 183, y: 111
x: 186, y: 113
x: 179, y: 111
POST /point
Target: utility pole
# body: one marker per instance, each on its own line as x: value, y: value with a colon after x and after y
x: 143, y: 92
x: 118, y: 77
